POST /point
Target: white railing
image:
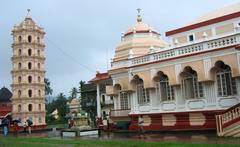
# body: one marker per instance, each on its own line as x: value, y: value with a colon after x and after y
x: 227, y: 118
x: 186, y: 50
x: 119, y: 64
x: 119, y: 113
x: 190, y: 48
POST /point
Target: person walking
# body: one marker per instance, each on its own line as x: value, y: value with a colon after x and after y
x: 140, y: 124
x: 29, y: 123
x: 69, y: 123
x: 15, y: 127
x: 5, y: 124
x: 25, y: 127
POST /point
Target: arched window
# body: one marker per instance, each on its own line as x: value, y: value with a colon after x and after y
x: 226, y: 84
x: 38, y: 39
x: 39, y: 107
x: 19, y: 52
x: 142, y: 93
x: 38, y: 52
x: 29, y: 38
x: 30, y: 107
x: 19, y: 38
x: 30, y: 93
x: 29, y: 65
x: 39, y: 92
x: 191, y: 88
x: 39, y: 66
x: 29, y: 79
x: 164, y: 91
x: 19, y: 93
x: 19, y: 108
x: 39, y: 79
x: 124, y: 100
x: 19, y: 79
x: 19, y: 65
x: 29, y: 52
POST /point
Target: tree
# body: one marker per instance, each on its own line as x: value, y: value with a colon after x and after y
x: 88, y: 99
x: 73, y: 93
x: 61, y: 105
x: 48, y: 89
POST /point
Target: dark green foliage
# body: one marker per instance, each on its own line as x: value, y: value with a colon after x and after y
x: 48, y: 89
x: 73, y: 94
x: 61, y: 105
x: 88, y: 99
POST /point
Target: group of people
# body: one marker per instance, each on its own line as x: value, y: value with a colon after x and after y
x: 5, y: 124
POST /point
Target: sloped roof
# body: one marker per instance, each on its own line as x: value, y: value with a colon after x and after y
x: 5, y: 95
x: 100, y: 77
x: 217, y: 13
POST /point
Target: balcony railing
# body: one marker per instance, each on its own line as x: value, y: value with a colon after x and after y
x: 183, y: 50
x: 119, y: 113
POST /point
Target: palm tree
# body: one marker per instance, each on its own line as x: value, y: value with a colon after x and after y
x: 48, y: 89
x: 73, y: 93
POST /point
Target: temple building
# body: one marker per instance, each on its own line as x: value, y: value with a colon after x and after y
x: 190, y: 83
x: 28, y: 86
x: 5, y: 102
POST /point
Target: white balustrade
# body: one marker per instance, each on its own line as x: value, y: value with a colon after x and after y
x: 227, y: 117
x: 117, y: 113
x: 187, y: 49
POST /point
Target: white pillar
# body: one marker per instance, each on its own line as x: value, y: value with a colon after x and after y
x: 98, y: 101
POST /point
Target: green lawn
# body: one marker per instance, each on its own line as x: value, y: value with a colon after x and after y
x: 51, y: 142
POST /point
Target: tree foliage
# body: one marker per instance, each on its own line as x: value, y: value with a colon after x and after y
x: 88, y: 99
x: 48, y: 89
x: 61, y: 105
x: 73, y: 93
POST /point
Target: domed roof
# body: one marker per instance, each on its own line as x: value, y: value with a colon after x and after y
x: 217, y: 13
x: 5, y: 95
x: 139, y: 40
x: 140, y: 27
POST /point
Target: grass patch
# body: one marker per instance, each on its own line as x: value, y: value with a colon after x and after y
x: 57, y: 126
x: 52, y: 142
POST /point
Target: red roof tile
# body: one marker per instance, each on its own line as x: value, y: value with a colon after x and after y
x: 5, y: 110
x: 100, y: 77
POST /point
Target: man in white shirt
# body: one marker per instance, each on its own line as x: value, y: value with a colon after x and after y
x: 140, y: 124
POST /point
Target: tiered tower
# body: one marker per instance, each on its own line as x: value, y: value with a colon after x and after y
x: 28, y: 72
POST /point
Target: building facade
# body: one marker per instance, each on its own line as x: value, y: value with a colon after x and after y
x: 28, y: 72
x: 104, y: 102
x: 182, y: 84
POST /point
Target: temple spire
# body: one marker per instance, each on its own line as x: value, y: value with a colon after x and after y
x: 139, y: 18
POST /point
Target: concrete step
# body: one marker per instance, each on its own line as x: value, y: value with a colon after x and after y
x: 232, y: 130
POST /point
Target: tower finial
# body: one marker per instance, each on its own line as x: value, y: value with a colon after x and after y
x: 139, y: 18
x: 28, y: 13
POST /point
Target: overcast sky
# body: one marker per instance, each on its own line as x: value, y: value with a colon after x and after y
x: 82, y: 34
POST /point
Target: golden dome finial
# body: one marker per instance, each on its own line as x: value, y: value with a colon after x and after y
x: 139, y: 18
